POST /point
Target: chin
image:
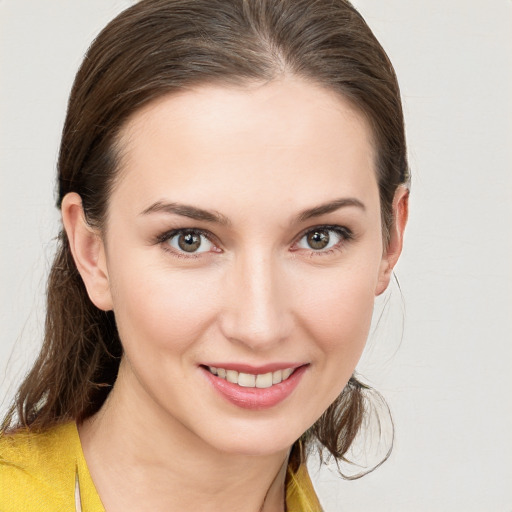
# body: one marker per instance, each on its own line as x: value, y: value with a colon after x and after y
x: 254, y: 437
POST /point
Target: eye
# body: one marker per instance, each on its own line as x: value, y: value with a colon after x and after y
x: 189, y: 241
x: 323, y: 238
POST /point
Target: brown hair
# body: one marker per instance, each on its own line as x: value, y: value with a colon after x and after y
x: 150, y: 50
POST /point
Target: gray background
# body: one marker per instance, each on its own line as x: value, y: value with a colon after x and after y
x: 447, y: 374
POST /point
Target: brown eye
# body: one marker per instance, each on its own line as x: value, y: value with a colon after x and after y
x: 189, y: 242
x: 323, y: 238
x: 318, y: 239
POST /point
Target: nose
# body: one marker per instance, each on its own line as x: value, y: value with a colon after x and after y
x: 257, y: 311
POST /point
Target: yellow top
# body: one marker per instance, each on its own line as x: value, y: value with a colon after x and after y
x: 40, y: 471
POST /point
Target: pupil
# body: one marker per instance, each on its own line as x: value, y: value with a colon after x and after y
x: 318, y: 239
x: 189, y: 242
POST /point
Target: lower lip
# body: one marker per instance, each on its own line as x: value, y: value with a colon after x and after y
x: 256, y: 398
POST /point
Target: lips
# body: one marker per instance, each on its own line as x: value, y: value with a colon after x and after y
x: 254, y: 388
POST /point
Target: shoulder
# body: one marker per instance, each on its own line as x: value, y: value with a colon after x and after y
x: 37, y: 469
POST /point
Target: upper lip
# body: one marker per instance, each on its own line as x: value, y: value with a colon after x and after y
x: 255, y: 370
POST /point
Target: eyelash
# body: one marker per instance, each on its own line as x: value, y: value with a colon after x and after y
x: 164, y: 238
x: 344, y: 233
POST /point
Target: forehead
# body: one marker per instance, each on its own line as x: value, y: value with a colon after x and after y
x: 287, y: 140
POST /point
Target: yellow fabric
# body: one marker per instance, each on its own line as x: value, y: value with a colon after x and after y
x: 300, y: 494
x: 38, y: 471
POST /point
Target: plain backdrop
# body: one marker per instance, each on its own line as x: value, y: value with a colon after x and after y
x: 447, y: 373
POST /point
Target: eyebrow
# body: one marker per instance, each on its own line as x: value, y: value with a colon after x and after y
x: 330, y: 207
x: 187, y: 211
x: 215, y: 217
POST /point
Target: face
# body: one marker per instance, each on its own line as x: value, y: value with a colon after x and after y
x: 243, y: 249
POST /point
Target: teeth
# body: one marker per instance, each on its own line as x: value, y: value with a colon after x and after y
x: 287, y: 372
x: 248, y: 380
x: 232, y: 376
x: 277, y: 377
x: 264, y: 380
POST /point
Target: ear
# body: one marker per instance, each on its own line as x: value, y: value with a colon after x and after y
x: 396, y: 237
x: 88, y: 251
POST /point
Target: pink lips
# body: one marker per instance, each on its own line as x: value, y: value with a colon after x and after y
x: 256, y: 398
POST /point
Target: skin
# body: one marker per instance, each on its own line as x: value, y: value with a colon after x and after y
x: 257, y: 156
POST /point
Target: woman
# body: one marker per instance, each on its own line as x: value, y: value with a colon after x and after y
x: 232, y: 182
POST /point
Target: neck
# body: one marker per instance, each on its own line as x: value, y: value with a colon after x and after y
x: 141, y: 459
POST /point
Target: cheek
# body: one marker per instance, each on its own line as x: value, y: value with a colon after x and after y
x: 160, y: 307
x: 336, y: 316
x: 337, y: 311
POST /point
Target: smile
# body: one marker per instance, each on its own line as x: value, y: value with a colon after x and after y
x: 254, y: 390
x: 249, y: 380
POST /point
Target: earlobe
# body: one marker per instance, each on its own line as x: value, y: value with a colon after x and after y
x: 396, y: 236
x: 88, y: 251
